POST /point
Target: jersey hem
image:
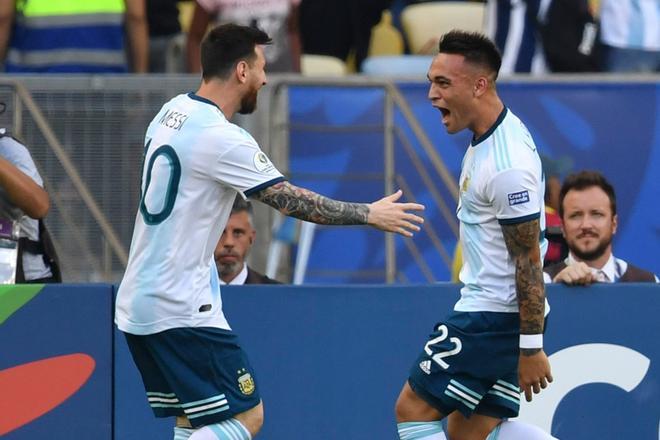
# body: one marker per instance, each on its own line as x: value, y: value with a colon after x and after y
x: 148, y: 329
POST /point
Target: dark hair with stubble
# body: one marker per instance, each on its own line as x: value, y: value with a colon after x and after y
x: 585, y: 180
x: 226, y: 45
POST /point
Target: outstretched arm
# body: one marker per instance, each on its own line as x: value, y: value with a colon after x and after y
x: 522, y: 242
x: 385, y: 214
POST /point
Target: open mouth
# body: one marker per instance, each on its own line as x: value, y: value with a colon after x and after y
x: 445, y: 113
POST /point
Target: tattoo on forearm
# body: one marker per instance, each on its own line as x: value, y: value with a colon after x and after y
x: 522, y: 241
x: 312, y: 207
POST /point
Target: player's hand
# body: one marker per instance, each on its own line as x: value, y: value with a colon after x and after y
x: 533, y: 373
x: 388, y: 215
x: 576, y: 274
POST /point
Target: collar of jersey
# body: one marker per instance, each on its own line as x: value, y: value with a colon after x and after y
x: 490, y: 131
x: 196, y: 97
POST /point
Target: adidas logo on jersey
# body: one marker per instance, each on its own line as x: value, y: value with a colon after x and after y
x: 425, y: 366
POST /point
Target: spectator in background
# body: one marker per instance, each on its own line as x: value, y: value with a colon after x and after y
x: 73, y: 36
x: 23, y: 205
x: 569, y: 32
x: 630, y: 33
x: 513, y: 26
x: 588, y: 212
x: 339, y: 28
x: 557, y: 248
x: 164, y: 31
x: 278, y: 18
x: 234, y: 246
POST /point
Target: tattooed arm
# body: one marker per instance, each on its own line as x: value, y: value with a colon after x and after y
x: 301, y: 203
x: 522, y: 242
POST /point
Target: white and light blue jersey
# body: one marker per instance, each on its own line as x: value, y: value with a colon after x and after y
x: 501, y: 183
x: 631, y: 24
x: 195, y: 162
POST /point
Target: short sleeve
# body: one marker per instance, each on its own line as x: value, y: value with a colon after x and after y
x: 246, y: 168
x: 516, y: 195
x: 19, y: 156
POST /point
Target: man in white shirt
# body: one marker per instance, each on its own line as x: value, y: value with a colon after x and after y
x: 630, y: 35
x: 169, y: 304
x: 589, y: 222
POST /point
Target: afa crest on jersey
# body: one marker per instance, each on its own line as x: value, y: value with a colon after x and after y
x: 465, y: 184
x: 246, y: 383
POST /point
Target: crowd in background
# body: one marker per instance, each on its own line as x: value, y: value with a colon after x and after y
x: 537, y: 36
x: 164, y: 36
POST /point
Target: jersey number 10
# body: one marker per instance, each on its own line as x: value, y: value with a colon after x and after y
x: 168, y: 153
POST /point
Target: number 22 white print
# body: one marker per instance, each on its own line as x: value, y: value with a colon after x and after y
x: 438, y: 357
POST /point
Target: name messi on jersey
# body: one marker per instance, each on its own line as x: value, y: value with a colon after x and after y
x: 173, y: 120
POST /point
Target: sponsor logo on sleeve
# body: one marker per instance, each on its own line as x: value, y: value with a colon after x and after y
x: 518, y: 198
x: 262, y: 163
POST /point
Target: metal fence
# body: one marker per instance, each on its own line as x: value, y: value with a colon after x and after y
x: 99, y: 122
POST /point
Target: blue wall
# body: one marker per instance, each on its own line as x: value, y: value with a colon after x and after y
x: 611, y: 127
x: 330, y: 361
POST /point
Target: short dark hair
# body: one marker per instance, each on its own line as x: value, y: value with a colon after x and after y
x: 226, y: 45
x: 240, y: 205
x: 475, y: 47
x: 584, y: 180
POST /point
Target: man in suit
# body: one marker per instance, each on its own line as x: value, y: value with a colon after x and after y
x: 234, y: 246
x: 587, y: 206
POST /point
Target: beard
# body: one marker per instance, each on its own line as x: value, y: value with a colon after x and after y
x: 248, y: 103
x: 595, y: 253
x: 227, y: 269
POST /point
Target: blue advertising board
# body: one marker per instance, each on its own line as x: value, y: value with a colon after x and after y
x: 56, y: 362
x: 330, y: 361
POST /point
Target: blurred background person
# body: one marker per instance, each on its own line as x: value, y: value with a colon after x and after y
x: 234, y: 247
x: 569, y: 32
x: 74, y: 36
x: 553, y: 170
x: 631, y: 35
x: 340, y: 28
x: 23, y: 205
x: 278, y: 18
x: 513, y: 26
x: 166, y: 40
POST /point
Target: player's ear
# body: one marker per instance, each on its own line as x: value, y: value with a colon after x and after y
x: 242, y: 71
x: 480, y: 86
x: 615, y: 223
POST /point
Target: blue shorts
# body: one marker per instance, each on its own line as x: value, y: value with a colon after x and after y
x: 201, y: 373
x: 470, y: 364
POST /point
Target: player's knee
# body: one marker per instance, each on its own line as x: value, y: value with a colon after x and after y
x: 252, y: 419
x: 410, y: 407
x: 402, y: 407
x: 468, y: 431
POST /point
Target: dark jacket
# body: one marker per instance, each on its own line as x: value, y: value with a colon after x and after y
x: 632, y: 274
x: 254, y: 277
x: 570, y: 37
